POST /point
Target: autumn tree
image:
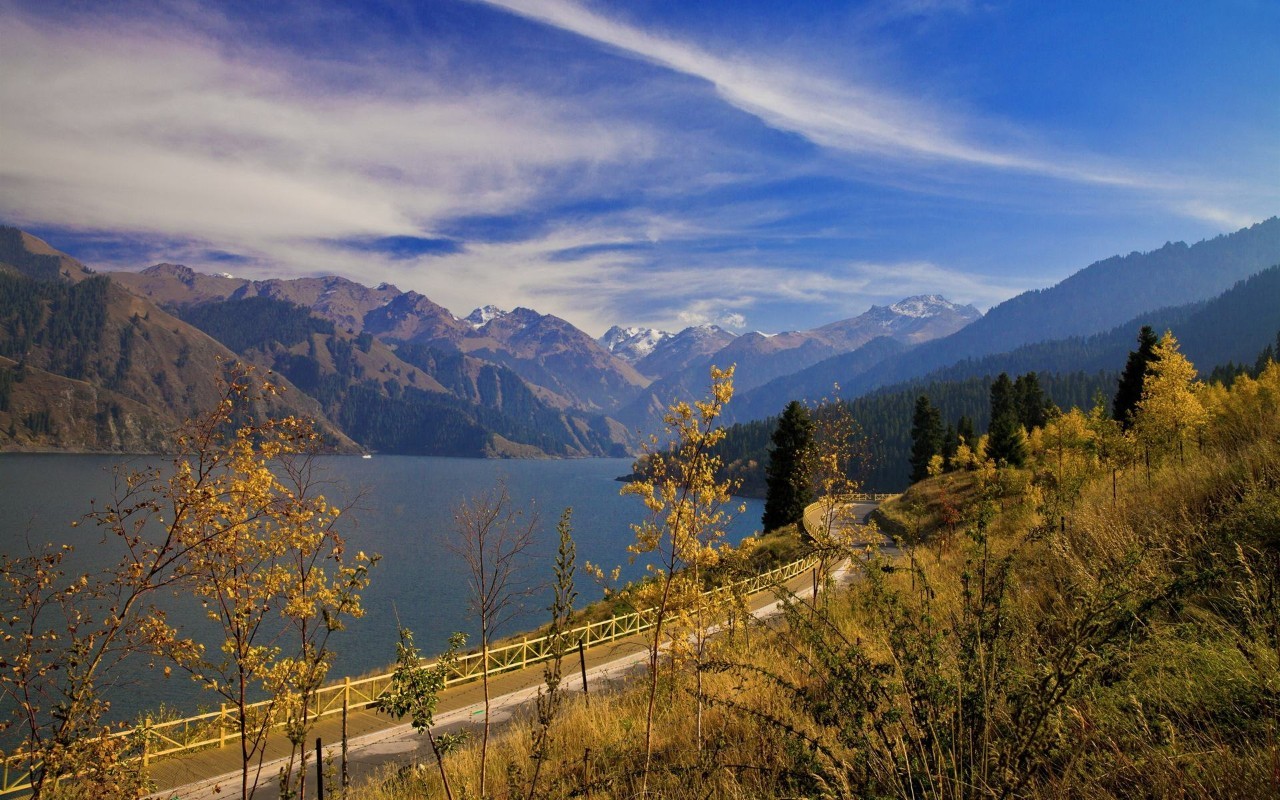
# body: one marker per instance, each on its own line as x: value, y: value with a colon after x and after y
x: 1129, y: 390
x: 787, y: 480
x: 219, y: 524
x: 492, y: 541
x: 685, y: 528
x: 1066, y: 449
x: 64, y: 634
x: 75, y: 629
x: 1170, y: 408
x: 261, y: 551
x: 1113, y: 448
x: 320, y: 590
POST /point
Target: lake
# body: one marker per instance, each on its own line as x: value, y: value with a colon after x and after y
x: 404, y: 513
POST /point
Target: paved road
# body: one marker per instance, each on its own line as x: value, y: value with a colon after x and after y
x: 375, y: 739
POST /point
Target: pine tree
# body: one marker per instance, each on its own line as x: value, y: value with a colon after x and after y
x: 966, y: 431
x: 950, y: 444
x: 789, y: 490
x: 1005, y: 443
x: 926, y: 437
x: 1129, y: 390
x: 1034, y: 409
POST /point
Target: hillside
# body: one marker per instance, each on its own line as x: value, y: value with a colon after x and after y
x: 93, y: 367
x: 1231, y: 328
x: 1088, y: 626
x: 396, y: 401
x: 1096, y: 299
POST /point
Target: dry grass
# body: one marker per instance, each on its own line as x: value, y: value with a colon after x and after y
x: 1105, y: 648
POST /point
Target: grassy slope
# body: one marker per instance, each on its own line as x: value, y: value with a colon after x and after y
x: 1046, y: 643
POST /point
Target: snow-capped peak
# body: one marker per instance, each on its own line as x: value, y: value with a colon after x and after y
x: 483, y: 316
x: 923, y: 305
x: 632, y: 344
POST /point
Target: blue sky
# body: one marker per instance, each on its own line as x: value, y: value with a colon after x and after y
x: 760, y: 165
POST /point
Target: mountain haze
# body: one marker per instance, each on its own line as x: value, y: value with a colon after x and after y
x: 761, y: 358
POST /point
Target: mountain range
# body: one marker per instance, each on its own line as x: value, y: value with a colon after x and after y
x: 393, y: 371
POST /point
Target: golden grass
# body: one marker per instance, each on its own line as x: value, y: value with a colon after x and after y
x: 1157, y: 615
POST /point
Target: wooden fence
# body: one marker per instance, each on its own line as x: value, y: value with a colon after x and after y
x: 218, y: 728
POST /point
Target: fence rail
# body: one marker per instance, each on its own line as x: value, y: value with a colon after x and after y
x: 220, y: 727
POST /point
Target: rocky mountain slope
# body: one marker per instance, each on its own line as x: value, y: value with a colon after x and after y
x: 564, y: 366
x: 89, y: 366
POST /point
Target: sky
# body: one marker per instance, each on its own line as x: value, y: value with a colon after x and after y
x: 753, y: 164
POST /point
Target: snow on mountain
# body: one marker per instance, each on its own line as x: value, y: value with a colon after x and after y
x: 483, y: 316
x: 924, y: 305
x: 632, y: 344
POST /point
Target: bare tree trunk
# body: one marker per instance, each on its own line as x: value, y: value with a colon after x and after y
x: 484, y: 738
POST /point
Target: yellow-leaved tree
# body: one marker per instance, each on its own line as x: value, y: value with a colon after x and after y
x: 272, y: 572
x: 1170, y: 409
x: 237, y: 521
x: 1066, y: 448
x: 684, y: 533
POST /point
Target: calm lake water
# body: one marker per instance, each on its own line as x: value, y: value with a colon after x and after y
x: 405, y: 513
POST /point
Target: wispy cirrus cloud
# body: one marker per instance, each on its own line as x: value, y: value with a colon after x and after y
x: 839, y: 114
x: 117, y: 129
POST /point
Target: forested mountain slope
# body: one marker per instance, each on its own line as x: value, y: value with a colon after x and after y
x: 90, y: 366
x: 1094, y: 300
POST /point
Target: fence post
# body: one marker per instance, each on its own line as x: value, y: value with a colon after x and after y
x: 222, y: 725
x: 346, y: 703
x: 319, y: 769
x: 524, y: 652
x: 146, y: 742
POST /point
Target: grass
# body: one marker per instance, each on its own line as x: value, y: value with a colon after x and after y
x: 1028, y: 643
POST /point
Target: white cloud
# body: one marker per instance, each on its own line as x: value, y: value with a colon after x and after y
x: 838, y: 114
x: 118, y: 129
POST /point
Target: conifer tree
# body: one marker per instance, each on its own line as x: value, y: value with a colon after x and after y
x: 926, y: 437
x: 789, y: 489
x: 1005, y: 443
x: 1034, y: 409
x: 950, y: 444
x: 1129, y: 390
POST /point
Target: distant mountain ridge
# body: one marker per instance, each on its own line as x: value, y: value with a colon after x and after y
x: 525, y: 383
x: 1097, y: 299
x: 565, y: 366
x: 761, y: 358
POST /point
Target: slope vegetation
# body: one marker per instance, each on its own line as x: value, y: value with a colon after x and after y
x: 1084, y: 627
